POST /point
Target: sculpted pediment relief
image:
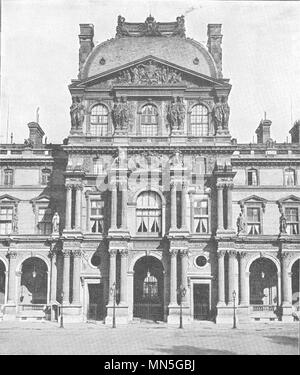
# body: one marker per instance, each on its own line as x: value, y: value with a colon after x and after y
x: 153, y: 72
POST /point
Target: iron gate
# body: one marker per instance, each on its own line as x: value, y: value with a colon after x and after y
x: 149, y: 311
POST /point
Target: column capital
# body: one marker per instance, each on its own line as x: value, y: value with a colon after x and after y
x: 113, y: 252
x: 123, y: 253
x: 173, y: 252
x: 285, y: 255
x: 78, y: 186
x: 12, y: 254
x: 221, y: 253
x: 232, y: 253
x: 66, y: 253
x: 69, y: 186
x: 51, y: 254
x: 243, y: 254
x: 184, y: 252
x: 77, y: 253
x: 220, y: 185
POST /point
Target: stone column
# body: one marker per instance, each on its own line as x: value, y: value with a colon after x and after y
x: 184, y: 268
x: 173, y: 207
x: 229, y: 206
x: 78, y: 207
x: 12, y: 277
x: 112, y: 272
x: 221, y: 278
x: 183, y: 206
x: 286, y: 280
x: 66, y: 276
x: 244, y: 280
x: 123, y: 293
x: 124, y: 205
x: 52, y: 256
x: 76, y: 277
x: 68, y: 207
x: 173, y: 277
x: 114, y: 203
x: 220, y: 187
x: 232, y: 276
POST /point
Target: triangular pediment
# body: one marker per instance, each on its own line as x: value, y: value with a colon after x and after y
x: 41, y: 199
x: 150, y: 71
x: 254, y: 199
x: 289, y: 199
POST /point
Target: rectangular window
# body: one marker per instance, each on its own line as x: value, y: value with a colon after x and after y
x: 98, y: 166
x: 44, y: 220
x: 253, y: 220
x: 252, y: 178
x: 99, y: 130
x: 6, y: 217
x: 8, y: 177
x: 96, y: 216
x: 292, y: 220
x: 201, y: 216
x: 45, y: 177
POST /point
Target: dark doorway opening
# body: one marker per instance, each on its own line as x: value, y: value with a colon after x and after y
x: 201, y: 301
x: 96, y: 307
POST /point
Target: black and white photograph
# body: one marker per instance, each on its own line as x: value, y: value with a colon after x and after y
x: 149, y: 180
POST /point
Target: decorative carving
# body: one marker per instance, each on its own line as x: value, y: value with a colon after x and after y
x: 177, y: 159
x: 173, y: 252
x: 12, y: 254
x: 176, y: 114
x: 123, y: 252
x: 232, y: 253
x: 221, y: 254
x: 55, y: 223
x: 282, y: 223
x: 225, y: 113
x: 77, y: 253
x: 113, y: 252
x: 66, y: 253
x: 220, y: 113
x: 184, y: 252
x: 121, y: 29
x: 150, y: 28
x: 241, y: 223
x: 150, y: 73
x: 121, y: 114
x: 15, y: 220
x: 217, y: 115
x: 77, y: 111
x: 180, y: 28
x: 28, y: 142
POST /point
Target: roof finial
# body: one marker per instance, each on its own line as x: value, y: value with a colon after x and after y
x: 37, y: 115
x: 265, y: 115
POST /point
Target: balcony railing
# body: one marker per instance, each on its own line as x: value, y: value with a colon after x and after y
x: 32, y: 307
x: 263, y: 308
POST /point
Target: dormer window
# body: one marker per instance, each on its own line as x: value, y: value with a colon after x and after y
x: 99, y: 121
x: 8, y: 177
x: 252, y: 177
x: 289, y: 177
x: 199, y: 121
x: 149, y: 121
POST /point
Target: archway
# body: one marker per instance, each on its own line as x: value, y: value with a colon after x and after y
x: 34, y: 281
x: 2, y: 283
x: 296, y: 283
x: 263, y: 282
x: 148, y: 293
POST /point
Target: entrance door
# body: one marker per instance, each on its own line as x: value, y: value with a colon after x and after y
x: 96, y: 303
x: 148, y: 289
x: 201, y: 301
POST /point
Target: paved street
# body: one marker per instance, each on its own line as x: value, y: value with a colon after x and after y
x: 145, y: 338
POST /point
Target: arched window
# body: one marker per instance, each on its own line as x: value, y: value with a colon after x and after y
x: 199, y: 120
x: 148, y: 211
x: 289, y: 177
x: 99, y: 120
x: 149, y: 121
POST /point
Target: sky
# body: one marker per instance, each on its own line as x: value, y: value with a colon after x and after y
x: 39, y: 57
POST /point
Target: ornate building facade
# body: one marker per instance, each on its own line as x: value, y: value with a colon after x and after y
x: 149, y: 206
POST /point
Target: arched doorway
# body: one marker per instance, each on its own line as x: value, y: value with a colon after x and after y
x: 34, y: 281
x: 148, y: 291
x: 263, y: 282
x: 296, y: 284
x: 2, y: 283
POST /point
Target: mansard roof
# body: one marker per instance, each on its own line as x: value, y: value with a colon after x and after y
x: 182, y: 51
x: 150, y: 58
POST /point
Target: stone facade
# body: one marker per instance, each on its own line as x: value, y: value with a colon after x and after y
x: 150, y: 209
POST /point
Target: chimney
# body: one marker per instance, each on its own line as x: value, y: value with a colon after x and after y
x: 86, y: 42
x: 214, y: 43
x: 36, y: 134
x: 295, y: 132
x: 263, y: 131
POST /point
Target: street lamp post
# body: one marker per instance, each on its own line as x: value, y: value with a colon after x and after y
x: 181, y: 291
x: 113, y: 292
x: 61, y: 311
x: 234, y: 316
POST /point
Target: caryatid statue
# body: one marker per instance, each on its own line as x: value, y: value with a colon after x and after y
x: 176, y: 114
x: 120, y: 114
x: 55, y: 223
x: 77, y: 113
x: 282, y: 223
x: 240, y: 223
x: 225, y: 113
x: 218, y: 114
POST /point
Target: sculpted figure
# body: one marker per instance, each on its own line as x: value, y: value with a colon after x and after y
x: 121, y: 28
x: 117, y: 113
x: 151, y: 27
x: 76, y: 113
x: 124, y: 113
x: 180, y: 28
x: 282, y: 223
x: 177, y: 159
x: 240, y: 223
x: 225, y: 113
x: 218, y: 114
x: 55, y: 223
x: 176, y: 114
